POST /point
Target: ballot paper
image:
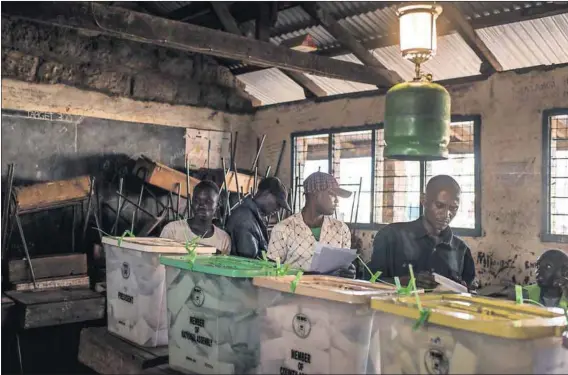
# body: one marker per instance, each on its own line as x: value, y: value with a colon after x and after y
x: 327, y: 259
x: 448, y: 284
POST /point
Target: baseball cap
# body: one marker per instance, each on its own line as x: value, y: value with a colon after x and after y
x: 319, y: 181
x: 274, y: 186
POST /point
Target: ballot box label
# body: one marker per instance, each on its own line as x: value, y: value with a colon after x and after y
x: 197, y: 296
x: 125, y: 297
x: 125, y: 269
x: 195, y: 336
x: 301, y: 325
x: 303, y: 358
x: 436, y: 361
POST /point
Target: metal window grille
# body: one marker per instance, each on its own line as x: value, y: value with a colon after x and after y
x: 397, y: 187
x: 558, y: 175
x: 352, y: 166
x: 461, y: 166
x: 390, y: 189
x: 311, y: 154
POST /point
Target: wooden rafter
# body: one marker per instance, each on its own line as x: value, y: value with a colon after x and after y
x: 306, y: 83
x: 224, y: 14
x: 230, y: 24
x: 140, y: 27
x: 467, y: 32
x: 315, y: 10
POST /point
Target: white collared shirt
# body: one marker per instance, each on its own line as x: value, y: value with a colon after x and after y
x: 293, y: 241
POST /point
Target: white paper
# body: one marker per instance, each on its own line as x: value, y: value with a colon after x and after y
x: 449, y: 284
x: 327, y: 259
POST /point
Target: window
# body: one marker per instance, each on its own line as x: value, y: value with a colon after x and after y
x: 311, y: 154
x: 387, y: 191
x: 461, y: 166
x: 352, y: 155
x: 555, y: 175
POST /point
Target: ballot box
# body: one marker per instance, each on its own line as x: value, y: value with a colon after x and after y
x: 213, y: 313
x: 136, y: 304
x: 465, y: 334
x: 322, y: 327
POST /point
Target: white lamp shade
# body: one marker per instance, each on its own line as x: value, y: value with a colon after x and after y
x: 418, y: 30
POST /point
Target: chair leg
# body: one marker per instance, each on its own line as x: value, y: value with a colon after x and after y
x: 21, y: 230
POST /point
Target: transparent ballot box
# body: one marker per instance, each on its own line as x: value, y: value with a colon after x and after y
x: 136, y: 305
x: 323, y: 327
x: 465, y: 334
x: 212, y: 312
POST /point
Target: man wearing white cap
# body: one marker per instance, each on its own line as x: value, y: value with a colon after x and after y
x: 293, y: 239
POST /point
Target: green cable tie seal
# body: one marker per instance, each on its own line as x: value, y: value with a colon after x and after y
x: 424, y: 316
x: 375, y: 276
x: 190, y: 247
x: 519, y: 294
x: 397, y: 284
x: 125, y: 234
x: 294, y: 283
x: 119, y: 239
x: 411, y: 289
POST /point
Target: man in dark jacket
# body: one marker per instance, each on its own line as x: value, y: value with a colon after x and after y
x: 247, y: 224
x: 428, y: 243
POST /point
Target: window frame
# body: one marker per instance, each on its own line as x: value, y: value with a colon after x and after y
x: 476, y: 119
x: 546, y: 235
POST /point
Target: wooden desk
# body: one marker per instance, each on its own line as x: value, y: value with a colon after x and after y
x: 51, y: 307
x: 7, y: 310
x: 106, y: 353
x: 161, y: 370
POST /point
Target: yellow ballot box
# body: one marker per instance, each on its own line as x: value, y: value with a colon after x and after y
x: 465, y: 334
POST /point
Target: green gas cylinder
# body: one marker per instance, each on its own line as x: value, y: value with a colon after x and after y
x: 417, y: 121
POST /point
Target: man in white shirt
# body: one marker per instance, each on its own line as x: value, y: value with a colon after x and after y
x: 293, y: 239
x: 203, y: 204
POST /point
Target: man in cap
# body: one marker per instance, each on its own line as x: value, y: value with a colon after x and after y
x: 293, y: 239
x: 428, y: 243
x: 247, y: 224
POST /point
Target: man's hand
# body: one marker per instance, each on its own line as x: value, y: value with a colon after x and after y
x: 425, y: 280
x: 347, y: 272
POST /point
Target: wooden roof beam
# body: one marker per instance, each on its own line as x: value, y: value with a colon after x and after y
x: 145, y: 28
x: 315, y: 11
x: 467, y: 32
x: 230, y: 24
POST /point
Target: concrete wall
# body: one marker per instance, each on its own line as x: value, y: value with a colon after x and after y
x: 37, y: 53
x: 510, y: 105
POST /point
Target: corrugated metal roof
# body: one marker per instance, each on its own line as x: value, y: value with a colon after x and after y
x: 372, y: 24
x: 342, y: 9
x: 334, y: 86
x: 476, y: 9
x: 523, y: 44
x: 453, y: 59
x: 319, y: 34
x: 271, y: 86
x: 291, y: 17
x: 516, y: 45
